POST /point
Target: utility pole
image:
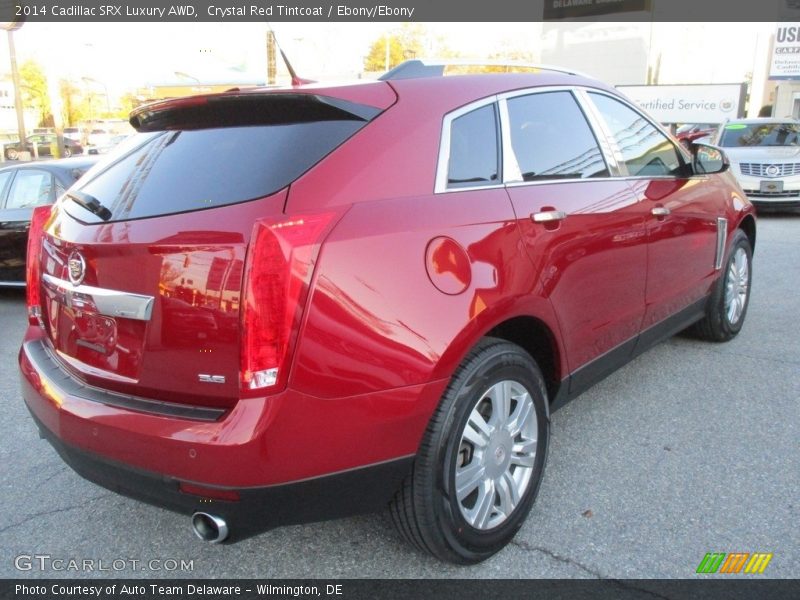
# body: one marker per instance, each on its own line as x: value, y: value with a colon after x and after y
x: 272, y: 67
x: 12, y: 53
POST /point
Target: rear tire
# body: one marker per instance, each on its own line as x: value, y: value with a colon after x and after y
x: 727, y: 305
x: 481, y: 460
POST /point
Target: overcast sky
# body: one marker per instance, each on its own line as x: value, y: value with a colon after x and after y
x: 126, y: 56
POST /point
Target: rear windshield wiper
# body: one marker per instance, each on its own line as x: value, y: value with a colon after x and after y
x: 90, y: 203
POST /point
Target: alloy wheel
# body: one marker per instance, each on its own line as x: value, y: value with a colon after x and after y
x: 496, y: 455
x: 737, y: 285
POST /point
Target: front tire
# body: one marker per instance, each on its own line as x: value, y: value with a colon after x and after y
x: 481, y: 460
x: 727, y: 305
x: 67, y: 152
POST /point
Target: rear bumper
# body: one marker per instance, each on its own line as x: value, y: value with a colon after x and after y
x: 258, y: 509
x: 291, y: 457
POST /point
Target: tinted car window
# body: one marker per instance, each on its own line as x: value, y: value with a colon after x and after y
x: 646, y: 151
x: 552, y: 139
x: 168, y: 172
x: 31, y: 187
x: 760, y: 134
x: 474, y: 159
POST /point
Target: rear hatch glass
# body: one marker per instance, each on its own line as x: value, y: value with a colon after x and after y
x: 190, y: 162
x: 168, y: 216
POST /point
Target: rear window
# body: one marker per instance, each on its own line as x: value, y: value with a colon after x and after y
x: 198, y: 167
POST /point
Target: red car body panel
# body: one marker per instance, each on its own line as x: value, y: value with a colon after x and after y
x: 681, y: 246
x: 405, y: 283
x: 595, y: 258
x: 180, y: 264
x: 260, y: 442
x: 395, y: 320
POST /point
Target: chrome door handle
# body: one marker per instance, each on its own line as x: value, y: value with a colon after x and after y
x: 549, y: 216
x: 660, y: 211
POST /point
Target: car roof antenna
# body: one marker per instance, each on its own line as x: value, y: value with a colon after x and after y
x: 296, y: 81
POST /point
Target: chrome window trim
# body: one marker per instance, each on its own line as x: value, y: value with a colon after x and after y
x: 609, y: 149
x: 515, y: 184
x: 509, y: 155
x: 111, y: 303
x: 440, y: 184
x: 511, y: 170
x: 511, y: 176
x: 660, y: 177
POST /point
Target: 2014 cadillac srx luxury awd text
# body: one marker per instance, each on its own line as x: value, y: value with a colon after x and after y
x: 274, y: 306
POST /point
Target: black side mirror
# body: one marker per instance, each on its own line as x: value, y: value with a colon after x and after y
x: 708, y: 159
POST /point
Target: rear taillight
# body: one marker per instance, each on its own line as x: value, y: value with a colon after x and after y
x: 280, y: 263
x: 32, y: 267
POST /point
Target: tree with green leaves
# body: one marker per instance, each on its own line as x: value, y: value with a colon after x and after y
x: 34, y: 91
x: 75, y: 108
x: 406, y: 42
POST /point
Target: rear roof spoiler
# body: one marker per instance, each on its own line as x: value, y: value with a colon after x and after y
x: 236, y: 109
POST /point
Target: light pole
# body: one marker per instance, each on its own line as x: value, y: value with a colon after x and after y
x: 196, y: 88
x: 183, y: 75
x: 12, y: 53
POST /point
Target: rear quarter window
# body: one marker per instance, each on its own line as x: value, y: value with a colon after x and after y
x: 474, y: 158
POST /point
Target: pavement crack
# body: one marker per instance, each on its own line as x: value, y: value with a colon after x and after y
x: 46, y: 513
x: 55, y: 474
x: 562, y: 559
x: 627, y: 585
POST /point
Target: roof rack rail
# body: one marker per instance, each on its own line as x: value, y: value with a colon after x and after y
x: 423, y: 67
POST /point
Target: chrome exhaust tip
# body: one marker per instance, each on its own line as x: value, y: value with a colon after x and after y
x: 209, y: 528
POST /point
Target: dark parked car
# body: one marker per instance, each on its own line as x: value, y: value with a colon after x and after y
x: 44, y: 144
x: 23, y: 187
x: 418, y: 269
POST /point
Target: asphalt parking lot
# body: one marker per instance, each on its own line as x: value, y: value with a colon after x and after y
x: 692, y: 448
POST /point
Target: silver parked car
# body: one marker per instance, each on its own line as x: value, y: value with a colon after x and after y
x: 765, y: 158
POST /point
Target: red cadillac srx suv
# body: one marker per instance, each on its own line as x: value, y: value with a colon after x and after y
x: 273, y: 306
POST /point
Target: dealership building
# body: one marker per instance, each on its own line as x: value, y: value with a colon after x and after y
x: 675, y: 72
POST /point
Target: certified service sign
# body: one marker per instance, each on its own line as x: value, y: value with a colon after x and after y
x: 711, y: 103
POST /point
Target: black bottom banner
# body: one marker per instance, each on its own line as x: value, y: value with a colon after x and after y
x: 357, y: 589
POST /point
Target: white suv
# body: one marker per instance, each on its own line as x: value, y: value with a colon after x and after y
x: 765, y: 158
